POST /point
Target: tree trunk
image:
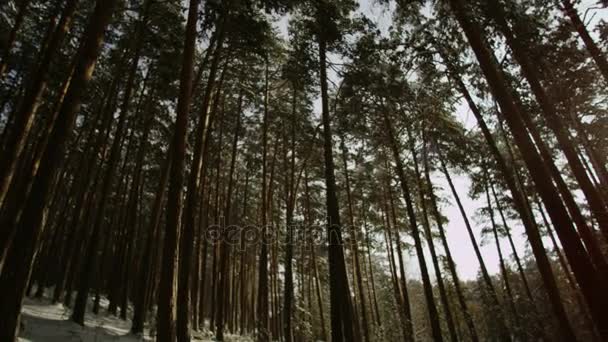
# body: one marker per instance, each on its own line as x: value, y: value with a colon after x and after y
x: 166, y: 330
x: 88, y: 269
x: 429, y: 236
x: 17, y: 271
x: 592, y: 47
x: 341, y: 314
x: 451, y: 264
x: 262, y: 303
x: 426, y: 281
x: 553, y: 120
x: 19, y: 131
x: 522, y: 208
x: 290, y: 195
x: 503, y: 266
x: 399, y: 282
x: 354, y: 244
x: 225, y: 229
x: 484, y: 271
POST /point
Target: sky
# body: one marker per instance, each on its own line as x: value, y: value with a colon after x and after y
x: 458, y: 239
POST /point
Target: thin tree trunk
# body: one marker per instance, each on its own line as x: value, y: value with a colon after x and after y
x: 426, y: 281
x: 354, y: 245
x: 532, y: 232
x: 555, y: 123
x: 188, y: 231
x: 429, y: 236
x: 262, y: 303
x: 399, y: 282
x: 503, y: 266
x: 88, y: 269
x: 288, y: 296
x: 224, y: 236
x: 451, y: 264
x: 592, y: 47
x: 484, y: 271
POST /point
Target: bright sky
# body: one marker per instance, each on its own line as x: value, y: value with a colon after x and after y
x: 460, y: 244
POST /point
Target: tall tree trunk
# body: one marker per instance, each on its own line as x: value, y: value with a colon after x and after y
x: 341, y: 314
x: 313, y: 256
x: 354, y: 244
x: 451, y: 264
x: 147, y: 263
x: 400, y: 282
x: 88, y: 269
x: 262, y: 302
x: 484, y: 271
x: 188, y: 231
x: 591, y: 281
x: 166, y: 330
x: 503, y: 266
x: 426, y: 281
x: 19, y: 131
x: 429, y: 236
x: 226, y: 225
x: 17, y: 271
x: 521, y: 206
x: 520, y: 268
x: 553, y: 120
x: 290, y: 195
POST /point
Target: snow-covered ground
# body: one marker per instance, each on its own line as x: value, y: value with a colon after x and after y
x: 45, y: 322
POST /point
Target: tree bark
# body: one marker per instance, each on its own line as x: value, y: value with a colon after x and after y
x: 341, y: 314
x: 166, y: 330
x: 19, y: 131
x: 17, y: 271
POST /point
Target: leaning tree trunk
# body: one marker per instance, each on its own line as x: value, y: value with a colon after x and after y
x: 88, y: 269
x: 19, y: 131
x: 553, y: 120
x: 592, y: 47
x: 451, y: 264
x: 399, y: 282
x: 354, y: 244
x: 17, y: 271
x: 591, y: 281
x: 426, y: 281
x: 429, y: 236
x: 484, y: 270
x: 522, y: 208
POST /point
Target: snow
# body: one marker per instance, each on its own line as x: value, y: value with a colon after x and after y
x: 45, y: 322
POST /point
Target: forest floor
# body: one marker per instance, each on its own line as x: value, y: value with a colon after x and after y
x: 45, y: 322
